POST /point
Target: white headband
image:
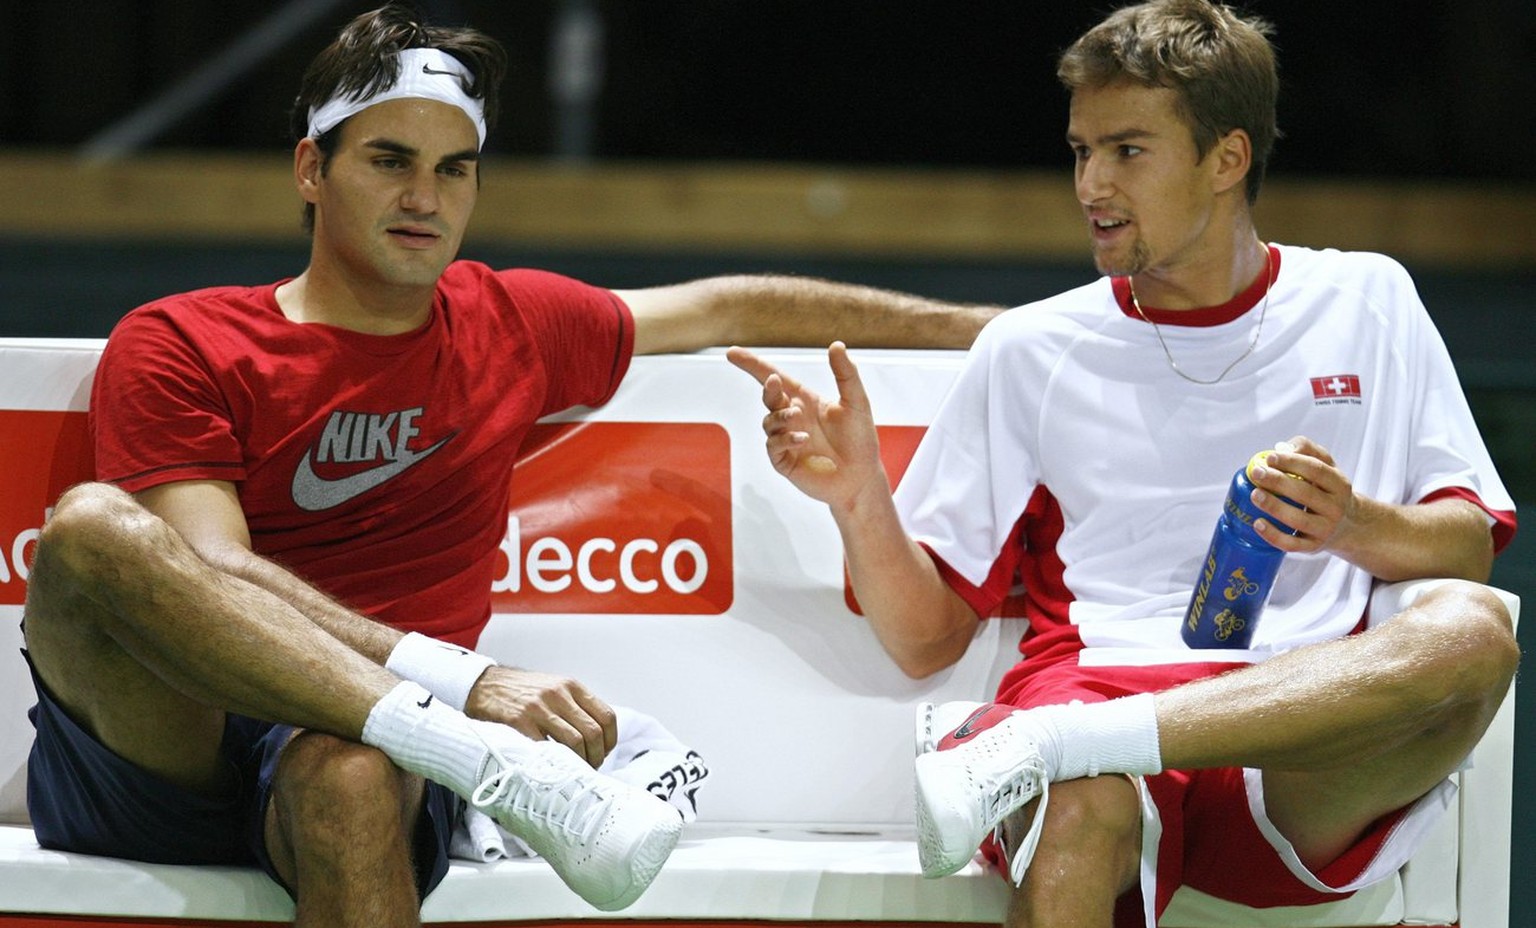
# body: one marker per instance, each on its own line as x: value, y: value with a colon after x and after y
x: 426, y: 74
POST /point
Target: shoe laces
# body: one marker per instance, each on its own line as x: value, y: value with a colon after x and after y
x: 574, y: 806
x: 1018, y: 861
x: 1009, y: 791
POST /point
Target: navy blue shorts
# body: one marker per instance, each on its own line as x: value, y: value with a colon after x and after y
x: 82, y: 797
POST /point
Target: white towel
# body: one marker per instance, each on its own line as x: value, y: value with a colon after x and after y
x: 647, y: 756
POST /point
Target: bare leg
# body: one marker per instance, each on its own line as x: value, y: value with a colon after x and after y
x: 1344, y: 731
x: 1348, y: 730
x: 340, y: 830
x: 1089, y: 853
x: 147, y: 646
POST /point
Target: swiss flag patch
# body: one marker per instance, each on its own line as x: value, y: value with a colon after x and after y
x: 1336, y: 387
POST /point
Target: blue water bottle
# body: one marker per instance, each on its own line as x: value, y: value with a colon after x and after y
x: 1237, y: 573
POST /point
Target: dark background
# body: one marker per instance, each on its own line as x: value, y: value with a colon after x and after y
x: 1429, y: 92
x: 1412, y: 88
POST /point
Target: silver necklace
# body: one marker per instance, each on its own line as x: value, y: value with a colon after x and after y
x: 1269, y: 284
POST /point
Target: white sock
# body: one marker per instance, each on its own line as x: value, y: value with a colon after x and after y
x: 1117, y: 736
x: 426, y: 736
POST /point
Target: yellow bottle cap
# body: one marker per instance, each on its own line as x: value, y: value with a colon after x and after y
x: 1258, y: 461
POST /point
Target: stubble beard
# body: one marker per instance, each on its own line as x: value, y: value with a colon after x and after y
x: 1139, y: 259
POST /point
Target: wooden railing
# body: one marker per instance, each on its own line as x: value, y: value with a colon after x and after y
x: 796, y: 208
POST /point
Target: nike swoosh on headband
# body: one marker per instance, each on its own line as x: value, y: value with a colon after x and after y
x: 421, y: 77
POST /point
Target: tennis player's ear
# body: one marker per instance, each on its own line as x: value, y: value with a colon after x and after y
x: 1230, y: 159
x: 306, y: 169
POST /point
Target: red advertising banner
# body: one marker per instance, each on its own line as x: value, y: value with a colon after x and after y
x: 41, y: 455
x: 620, y: 517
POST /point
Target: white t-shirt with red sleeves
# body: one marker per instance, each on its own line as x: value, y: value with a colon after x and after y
x: 1071, y: 455
x: 376, y: 467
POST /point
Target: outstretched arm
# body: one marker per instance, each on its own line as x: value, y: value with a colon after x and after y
x: 830, y: 451
x: 795, y: 311
x: 208, y: 516
x: 1444, y: 538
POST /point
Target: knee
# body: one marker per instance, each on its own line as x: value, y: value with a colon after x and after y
x: 73, y: 555
x: 1089, y: 822
x: 331, y: 789
x: 1468, y: 640
x: 85, y: 523
x: 1100, y: 810
x: 87, y: 506
x: 1493, y: 629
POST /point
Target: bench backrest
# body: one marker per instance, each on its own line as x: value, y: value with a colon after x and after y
x: 652, y: 553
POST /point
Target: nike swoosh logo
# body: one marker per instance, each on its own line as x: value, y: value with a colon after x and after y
x: 313, y: 493
x: 965, y: 730
x: 428, y: 69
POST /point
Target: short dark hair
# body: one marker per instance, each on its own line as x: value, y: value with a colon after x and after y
x: 363, y: 59
x: 1221, y: 65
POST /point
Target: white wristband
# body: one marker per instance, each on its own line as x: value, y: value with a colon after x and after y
x: 447, y: 671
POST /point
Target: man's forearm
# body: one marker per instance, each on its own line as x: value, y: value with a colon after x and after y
x: 922, y: 624
x: 797, y: 311
x: 816, y: 312
x: 1445, y: 538
x: 369, y: 638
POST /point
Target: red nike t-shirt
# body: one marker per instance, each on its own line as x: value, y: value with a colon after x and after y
x: 376, y: 467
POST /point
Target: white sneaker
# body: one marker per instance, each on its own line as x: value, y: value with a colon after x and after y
x: 605, y: 839
x: 980, y: 772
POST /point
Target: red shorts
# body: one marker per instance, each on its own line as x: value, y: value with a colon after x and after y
x: 1210, y: 837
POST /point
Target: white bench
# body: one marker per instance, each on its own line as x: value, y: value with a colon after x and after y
x: 666, y: 565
